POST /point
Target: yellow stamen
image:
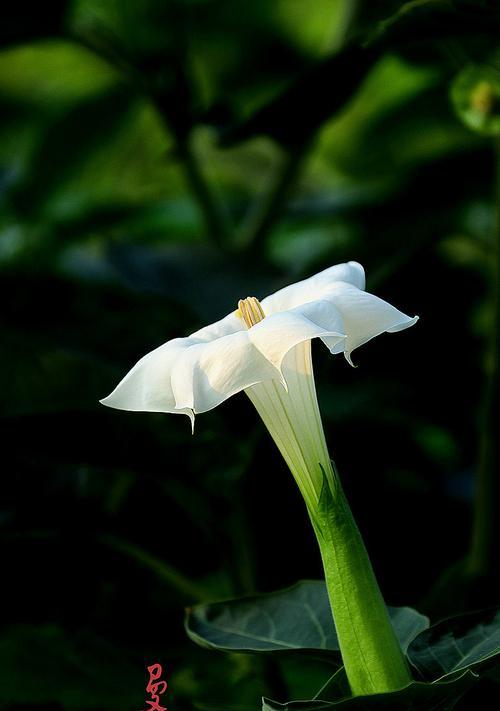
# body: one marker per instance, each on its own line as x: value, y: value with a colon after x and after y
x: 250, y: 311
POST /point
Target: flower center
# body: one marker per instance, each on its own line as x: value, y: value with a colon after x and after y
x: 250, y: 311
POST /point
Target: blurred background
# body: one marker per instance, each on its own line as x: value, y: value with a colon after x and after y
x: 159, y: 160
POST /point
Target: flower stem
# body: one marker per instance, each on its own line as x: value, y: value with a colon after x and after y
x: 262, y: 216
x: 212, y: 213
x: 486, y: 534
x: 372, y: 655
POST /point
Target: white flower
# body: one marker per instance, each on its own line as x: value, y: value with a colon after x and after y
x: 263, y: 348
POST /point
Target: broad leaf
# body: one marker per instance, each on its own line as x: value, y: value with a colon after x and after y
x: 418, y: 696
x: 456, y: 644
x: 337, y: 687
x: 297, y: 618
x: 69, y: 141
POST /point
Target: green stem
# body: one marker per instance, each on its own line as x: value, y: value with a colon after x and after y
x: 215, y: 222
x: 372, y: 655
x: 165, y: 572
x: 263, y: 214
x: 486, y: 524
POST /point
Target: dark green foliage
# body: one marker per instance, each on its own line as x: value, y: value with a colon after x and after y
x: 295, y: 619
x: 44, y: 664
x: 449, y: 656
x: 467, y: 642
x: 416, y: 696
x: 160, y: 160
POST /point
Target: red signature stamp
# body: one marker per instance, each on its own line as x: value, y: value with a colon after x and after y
x: 155, y: 688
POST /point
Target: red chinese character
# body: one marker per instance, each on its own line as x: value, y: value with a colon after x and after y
x: 155, y: 688
x: 155, y: 705
x: 155, y: 672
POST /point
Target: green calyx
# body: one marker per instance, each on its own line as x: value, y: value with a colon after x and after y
x: 373, y: 659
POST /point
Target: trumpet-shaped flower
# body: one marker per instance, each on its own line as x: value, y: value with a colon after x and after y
x: 264, y: 349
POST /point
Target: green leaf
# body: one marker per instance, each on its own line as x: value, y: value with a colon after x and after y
x: 297, y: 618
x: 418, y: 696
x: 337, y: 687
x: 401, y: 111
x: 475, y: 94
x: 448, y: 656
x: 465, y: 642
x: 52, y: 75
x: 68, y: 142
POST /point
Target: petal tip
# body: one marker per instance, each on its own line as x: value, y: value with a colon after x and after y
x: 403, y: 325
x: 190, y: 414
x: 347, y: 356
x: 359, y: 271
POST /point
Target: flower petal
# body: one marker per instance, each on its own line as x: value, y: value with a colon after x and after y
x: 365, y: 316
x: 229, y: 324
x: 313, y: 288
x: 278, y: 333
x: 147, y: 386
x: 206, y: 374
x: 195, y: 374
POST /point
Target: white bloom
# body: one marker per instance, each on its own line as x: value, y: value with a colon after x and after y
x: 264, y: 349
